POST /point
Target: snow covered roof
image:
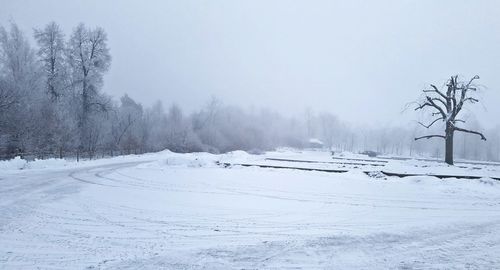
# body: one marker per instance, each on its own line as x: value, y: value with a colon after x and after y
x: 315, y: 141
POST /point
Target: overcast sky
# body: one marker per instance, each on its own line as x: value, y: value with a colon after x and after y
x: 361, y: 60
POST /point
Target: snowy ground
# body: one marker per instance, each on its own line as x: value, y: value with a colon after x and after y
x: 173, y: 211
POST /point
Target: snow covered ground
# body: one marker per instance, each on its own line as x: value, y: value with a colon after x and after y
x: 183, y: 211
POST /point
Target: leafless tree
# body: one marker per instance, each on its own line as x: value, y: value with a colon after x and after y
x: 51, y: 54
x: 446, y: 106
x: 89, y: 59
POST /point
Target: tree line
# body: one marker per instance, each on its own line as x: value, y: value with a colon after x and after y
x: 52, y: 104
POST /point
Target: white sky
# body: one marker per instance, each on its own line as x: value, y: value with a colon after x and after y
x: 362, y: 60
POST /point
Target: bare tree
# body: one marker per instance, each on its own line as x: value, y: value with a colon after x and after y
x: 89, y: 58
x: 51, y: 53
x: 446, y: 107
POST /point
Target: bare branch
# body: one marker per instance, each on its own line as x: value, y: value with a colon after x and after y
x: 432, y: 123
x: 421, y: 106
x: 470, y: 82
x: 433, y: 104
x: 435, y: 89
x: 471, y: 99
x: 430, y: 136
x: 470, y: 131
x: 463, y: 95
x: 102, y: 106
x: 440, y: 100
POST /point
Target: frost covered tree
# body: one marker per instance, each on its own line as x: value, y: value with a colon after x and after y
x: 51, y: 53
x: 445, y: 106
x: 52, y: 56
x: 22, y: 99
x: 155, y: 125
x: 125, y: 127
x: 89, y: 59
x: 179, y: 132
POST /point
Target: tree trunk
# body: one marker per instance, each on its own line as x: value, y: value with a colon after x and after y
x: 449, y: 144
x: 83, y: 125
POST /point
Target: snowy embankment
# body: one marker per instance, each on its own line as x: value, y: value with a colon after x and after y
x: 183, y: 211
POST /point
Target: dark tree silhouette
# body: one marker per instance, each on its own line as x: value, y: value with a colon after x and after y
x: 446, y: 106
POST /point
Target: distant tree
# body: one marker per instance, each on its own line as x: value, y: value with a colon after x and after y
x: 124, y: 127
x: 329, y: 127
x: 177, y: 129
x: 446, y: 106
x: 155, y: 126
x: 205, y: 123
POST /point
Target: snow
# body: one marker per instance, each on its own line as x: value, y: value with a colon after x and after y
x: 183, y: 211
x: 14, y: 164
x: 20, y: 164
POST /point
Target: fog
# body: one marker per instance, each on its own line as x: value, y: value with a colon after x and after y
x: 360, y: 60
x: 100, y: 78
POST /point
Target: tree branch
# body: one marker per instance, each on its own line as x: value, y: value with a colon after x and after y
x: 431, y: 101
x: 463, y: 98
x: 470, y: 131
x: 430, y: 136
x: 432, y: 123
x: 440, y: 100
x: 471, y: 99
x: 435, y: 89
x: 470, y: 82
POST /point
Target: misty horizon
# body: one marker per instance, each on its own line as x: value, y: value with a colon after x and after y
x: 362, y: 62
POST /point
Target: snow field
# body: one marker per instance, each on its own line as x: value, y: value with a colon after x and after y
x: 182, y: 211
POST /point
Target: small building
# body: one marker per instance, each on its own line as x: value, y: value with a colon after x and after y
x: 315, y: 143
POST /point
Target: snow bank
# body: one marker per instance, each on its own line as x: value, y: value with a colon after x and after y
x: 239, y: 157
x: 201, y: 159
x: 53, y: 163
x: 13, y: 164
x: 47, y: 163
x: 18, y: 163
x: 430, y: 167
x: 317, y: 160
x: 187, y: 160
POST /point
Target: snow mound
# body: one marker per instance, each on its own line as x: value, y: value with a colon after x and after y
x: 16, y: 163
x: 189, y: 160
x: 46, y: 163
x: 239, y: 157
